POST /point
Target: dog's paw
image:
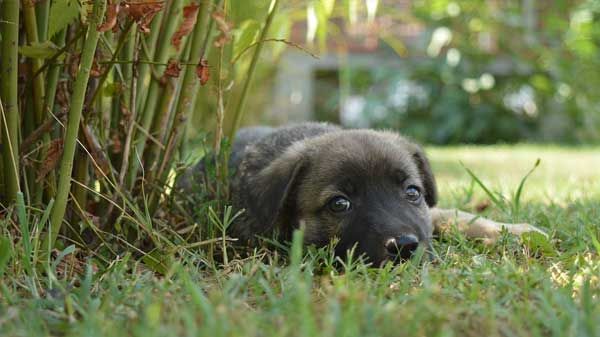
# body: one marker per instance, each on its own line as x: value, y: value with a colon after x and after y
x: 493, y: 230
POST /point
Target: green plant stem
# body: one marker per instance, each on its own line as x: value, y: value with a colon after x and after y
x: 127, y: 69
x: 163, y: 121
x: 159, y: 131
x: 61, y: 51
x: 144, y: 68
x: 74, y: 118
x: 147, y: 114
x: 238, y: 113
x: 80, y: 174
x: 31, y: 29
x: 52, y: 78
x: 42, y: 14
x: 107, y: 71
x: 9, y: 21
x: 122, y: 105
x: 187, y: 94
x: 53, y: 75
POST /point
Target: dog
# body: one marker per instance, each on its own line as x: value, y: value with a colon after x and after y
x: 373, y: 191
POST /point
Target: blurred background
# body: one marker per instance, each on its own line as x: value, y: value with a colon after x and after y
x: 441, y: 71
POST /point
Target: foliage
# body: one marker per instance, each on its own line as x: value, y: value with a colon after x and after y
x: 484, y: 72
x: 95, y: 98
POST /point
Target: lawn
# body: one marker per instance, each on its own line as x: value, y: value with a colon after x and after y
x: 513, y: 288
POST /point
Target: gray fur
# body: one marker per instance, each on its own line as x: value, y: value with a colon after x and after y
x: 285, y: 178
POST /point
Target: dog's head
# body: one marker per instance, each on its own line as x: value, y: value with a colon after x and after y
x: 369, y: 189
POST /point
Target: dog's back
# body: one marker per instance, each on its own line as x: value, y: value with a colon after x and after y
x: 265, y: 143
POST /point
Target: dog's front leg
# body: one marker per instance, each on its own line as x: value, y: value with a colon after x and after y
x: 476, y: 227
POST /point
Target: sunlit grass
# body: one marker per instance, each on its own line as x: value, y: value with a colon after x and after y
x: 508, y: 289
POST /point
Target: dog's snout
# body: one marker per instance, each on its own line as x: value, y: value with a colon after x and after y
x: 402, y: 246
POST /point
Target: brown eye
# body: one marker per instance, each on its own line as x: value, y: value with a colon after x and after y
x: 339, y: 204
x: 413, y: 194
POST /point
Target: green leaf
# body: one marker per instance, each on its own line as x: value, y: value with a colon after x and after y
x: 5, y: 253
x: 245, y: 36
x: 25, y: 235
x: 538, y: 242
x: 62, y: 13
x: 158, y: 261
x: 62, y: 255
x: 39, y: 50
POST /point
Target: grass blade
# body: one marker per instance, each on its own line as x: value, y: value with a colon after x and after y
x: 6, y: 252
x: 517, y: 198
x: 499, y: 203
x: 25, y: 237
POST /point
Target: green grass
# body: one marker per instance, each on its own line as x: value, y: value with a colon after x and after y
x: 508, y: 289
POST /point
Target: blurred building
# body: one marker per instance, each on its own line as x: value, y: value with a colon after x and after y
x: 309, y: 95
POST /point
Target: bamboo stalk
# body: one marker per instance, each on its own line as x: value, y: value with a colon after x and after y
x: 144, y: 68
x: 81, y: 170
x: 74, y: 118
x: 53, y: 75
x: 163, y: 120
x: 52, y: 60
x: 239, y: 111
x: 107, y: 71
x: 9, y: 21
x: 130, y: 121
x: 127, y: 69
x: 80, y: 175
x: 122, y: 106
x: 42, y: 14
x: 187, y: 94
x: 31, y: 29
x: 159, y: 131
x: 147, y: 114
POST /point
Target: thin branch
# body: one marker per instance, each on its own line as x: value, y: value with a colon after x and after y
x: 289, y: 43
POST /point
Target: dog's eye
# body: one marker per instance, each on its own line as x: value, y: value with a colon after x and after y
x: 339, y: 204
x: 413, y: 194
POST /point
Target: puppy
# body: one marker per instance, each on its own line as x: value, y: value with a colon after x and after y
x: 372, y: 190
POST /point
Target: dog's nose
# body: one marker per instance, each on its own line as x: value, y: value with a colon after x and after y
x: 402, y: 246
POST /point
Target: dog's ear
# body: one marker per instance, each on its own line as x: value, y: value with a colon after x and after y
x: 274, y: 203
x: 431, y: 194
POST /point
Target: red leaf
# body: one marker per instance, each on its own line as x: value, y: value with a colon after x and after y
x: 203, y: 72
x: 55, y: 150
x: 143, y: 12
x: 111, y: 17
x: 173, y: 68
x: 186, y: 26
